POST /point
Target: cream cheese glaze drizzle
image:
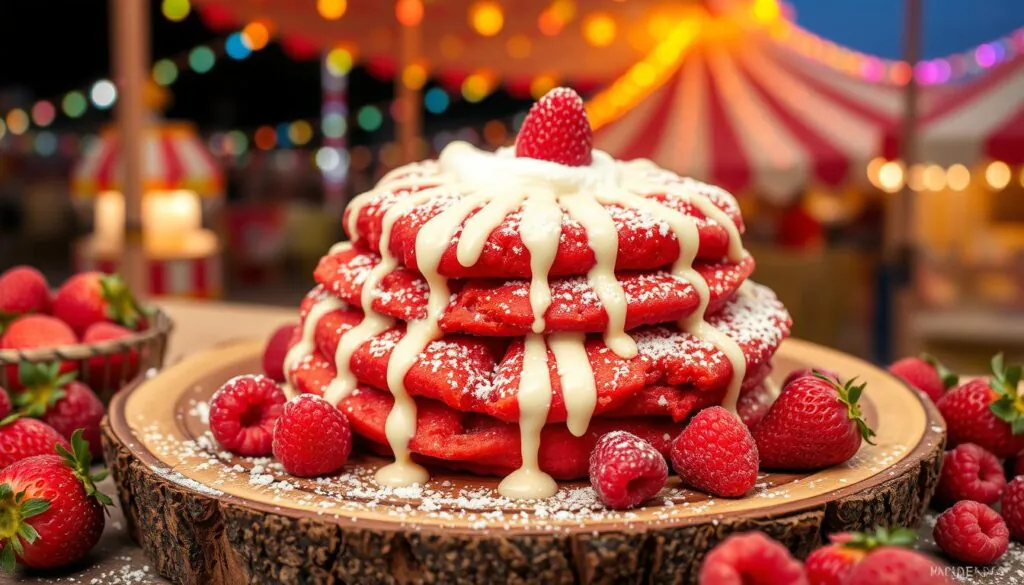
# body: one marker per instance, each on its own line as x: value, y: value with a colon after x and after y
x: 484, y: 189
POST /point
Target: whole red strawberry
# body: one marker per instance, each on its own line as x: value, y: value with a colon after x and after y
x: 557, y: 130
x: 895, y: 565
x: 926, y: 374
x: 971, y: 532
x: 26, y: 437
x: 1013, y: 508
x: 54, y: 511
x: 276, y: 350
x: 23, y: 290
x: 716, y: 454
x: 751, y: 557
x: 61, y: 402
x: 814, y: 423
x: 833, y: 564
x: 36, y: 331
x: 970, y: 473
x: 243, y: 412
x: 109, y: 370
x: 94, y: 297
x: 989, y: 413
x: 626, y: 470
x: 312, y: 437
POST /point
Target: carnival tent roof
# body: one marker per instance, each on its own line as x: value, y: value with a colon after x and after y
x: 983, y: 120
x: 173, y: 157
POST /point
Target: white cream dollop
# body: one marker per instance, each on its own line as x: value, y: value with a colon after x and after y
x: 474, y: 167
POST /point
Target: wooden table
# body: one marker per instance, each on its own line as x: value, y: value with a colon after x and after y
x: 118, y: 560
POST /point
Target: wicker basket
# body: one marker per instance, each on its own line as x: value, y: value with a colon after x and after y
x: 106, y: 367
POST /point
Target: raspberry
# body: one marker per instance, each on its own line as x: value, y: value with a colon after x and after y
x: 970, y: 473
x: 312, y: 437
x: 752, y: 558
x: 716, y: 454
x: 276, y: 350
x: 972, y: 532
x: 626, y: 470
x: 1013, y: 508
x: 895, y: 565
x: 804, y: 372
x: 243, y: 412
x: 557, y: 130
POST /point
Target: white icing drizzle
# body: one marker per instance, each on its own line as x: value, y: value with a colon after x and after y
x: 529, y: 482
x: 603, y: 239
x: 479, y: 227
x: 307, y: 343
x: 579, y: 389
x: 540, y: 229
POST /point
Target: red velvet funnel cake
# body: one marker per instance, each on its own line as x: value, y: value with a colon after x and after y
x: 499, y: 312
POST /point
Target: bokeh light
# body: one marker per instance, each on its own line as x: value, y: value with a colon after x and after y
x: 201, y: 59
x: 414, y: 76
x: 334, y: 125
x: 599, y: 29
x: 331, y: 9
x: 236, y: 47
x: 74, y: 104
x: 436, y: 100
x: 300, y: 132
x: 17, y: 121
x: 45, y: 143
x: 327, y: 158
x: 409, y: 12
x: 541, y: 85
x: 997, y: 174
x: 890, y: 176
x: 369, y: 118
x: 265, y: 138
x: 165, y: 72
x: 339, y: 61
x: 103, y: 94
x: 486, y: 18
x: 256, y: 35
x: 284, y: 139
x: 175, y: 10
x: 360, y: 157
x: 495, y: 133
x: 475, y: 87
x: 958, y: 177
x: 934, y: 178
x: 237, y: 142
x: 43, y: 114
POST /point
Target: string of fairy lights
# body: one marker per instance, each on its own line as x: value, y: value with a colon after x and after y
x: 28, y: 130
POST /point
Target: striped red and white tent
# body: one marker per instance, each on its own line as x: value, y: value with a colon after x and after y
x: 174, y: 157
x: 758, y: 116
x: 983, y: 120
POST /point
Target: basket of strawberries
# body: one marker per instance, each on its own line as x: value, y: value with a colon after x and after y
x: 92, y: 328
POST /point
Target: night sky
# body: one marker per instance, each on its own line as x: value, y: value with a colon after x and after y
x: 49, y: 48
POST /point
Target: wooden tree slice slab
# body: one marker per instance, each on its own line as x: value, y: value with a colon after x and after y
x: 207, y: 517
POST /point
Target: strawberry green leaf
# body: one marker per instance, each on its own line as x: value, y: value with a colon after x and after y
x: 848, y: 394
x: 882, y: 536
x: 27, y: 532
x: 8, y: 560
x: 949, y: 377
x: 44, y: 386
x: 1008, y: 405
x: 5, y: 491
x: 34, y: 507
x: 122, y: 306
x: 10, y: 418
x: 79, y: 460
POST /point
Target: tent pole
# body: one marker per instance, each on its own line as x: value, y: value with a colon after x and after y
x: 899, y: 225
x: 129, y: 55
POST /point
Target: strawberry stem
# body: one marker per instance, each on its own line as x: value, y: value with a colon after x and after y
x: 15, y: 509
x: 1009, y: 404
x: 44, y: 386
x: 948, y: 376
x: 849, y: 394
x: 79, y: 460
x: 882, y: 536
x: 122, y: 306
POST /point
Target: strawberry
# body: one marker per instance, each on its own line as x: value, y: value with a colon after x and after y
x: 896, y: 565
x: 276, y: 350
x: 814, y: 423
x: 557, y: 130
x: 107, y: 371
x: 37, y: 331
x: 988, y: 413
x: 61, y: 402
x: 93, y: 297
x: 926, y: 374
x: 53, y: 512
x: 26, y: 437
x: 833, y: 564
x: 23, y: 290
